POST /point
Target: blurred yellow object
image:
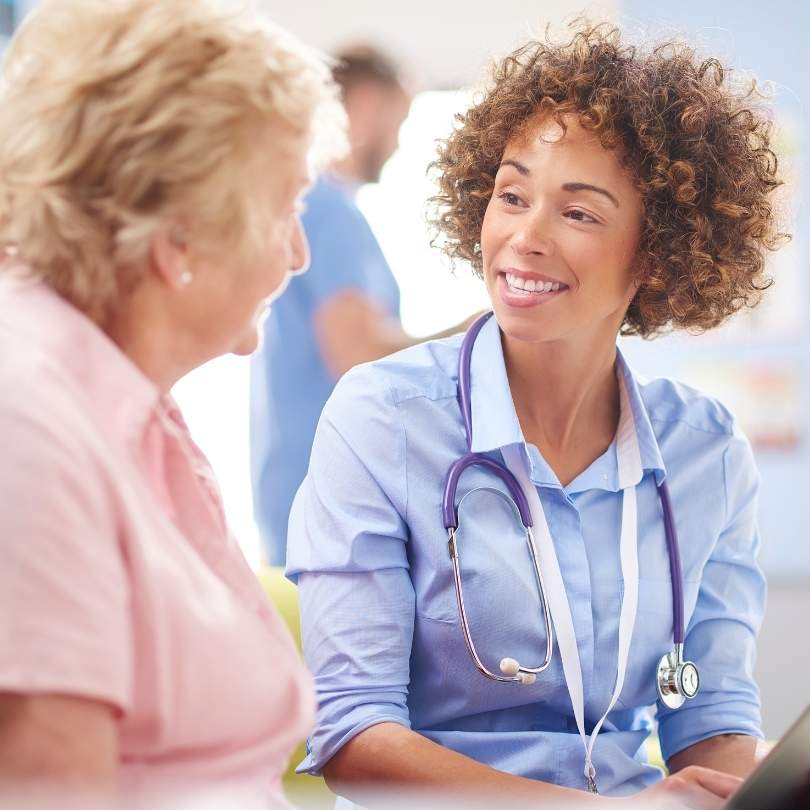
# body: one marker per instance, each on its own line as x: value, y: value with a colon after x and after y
x: 301, y: 789
x: 311, y: 791
x: 653, y: 748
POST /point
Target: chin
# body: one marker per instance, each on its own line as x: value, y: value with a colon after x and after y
x: 524, y: 327
x: 526, y: 333
x: 247, y: 344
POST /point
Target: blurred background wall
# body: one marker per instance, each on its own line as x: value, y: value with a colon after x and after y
x: 759, y: 366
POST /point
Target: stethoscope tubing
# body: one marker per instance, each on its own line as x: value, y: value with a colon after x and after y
x: 449, y: 509
x: 450, y: 512
x: 675, y: 571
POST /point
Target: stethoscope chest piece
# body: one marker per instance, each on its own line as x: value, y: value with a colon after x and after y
x: 677, y: 680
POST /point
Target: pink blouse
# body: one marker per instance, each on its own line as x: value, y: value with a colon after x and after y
x: 119, y: 580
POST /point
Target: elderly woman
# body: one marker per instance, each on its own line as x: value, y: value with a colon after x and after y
x: 152, y: 157
x: 597, y: 189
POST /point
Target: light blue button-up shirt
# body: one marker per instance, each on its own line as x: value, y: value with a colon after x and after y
x: 380, y: 627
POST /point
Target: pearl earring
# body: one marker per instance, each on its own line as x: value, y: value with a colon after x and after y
x: 185, y: 278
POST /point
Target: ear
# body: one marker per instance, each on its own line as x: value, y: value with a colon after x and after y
x: 171, y: 255
x: 636, y: 281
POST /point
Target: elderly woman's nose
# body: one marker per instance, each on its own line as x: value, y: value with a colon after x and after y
x: 299, y: 249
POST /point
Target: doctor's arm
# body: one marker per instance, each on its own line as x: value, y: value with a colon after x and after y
x: 730, y: 753
x: 389, y: 755
x: 720, y: 727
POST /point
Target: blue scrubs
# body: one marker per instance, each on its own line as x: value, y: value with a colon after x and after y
x: 379, y: 621
x: 289, y: 381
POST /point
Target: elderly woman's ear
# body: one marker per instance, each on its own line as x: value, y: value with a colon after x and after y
x: 171, y: 256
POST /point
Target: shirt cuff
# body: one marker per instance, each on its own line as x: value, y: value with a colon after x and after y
x: 323, y: 745
x: 688, y: 726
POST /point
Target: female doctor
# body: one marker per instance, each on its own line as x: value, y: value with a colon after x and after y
x: 597, y: 190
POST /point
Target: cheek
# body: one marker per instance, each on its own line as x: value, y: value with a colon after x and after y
x: 275, y: 258
x: 627, y: 258
x: 491, y: 233
x: 610, y: 263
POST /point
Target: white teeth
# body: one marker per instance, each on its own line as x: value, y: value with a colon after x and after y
x: 531, y: 285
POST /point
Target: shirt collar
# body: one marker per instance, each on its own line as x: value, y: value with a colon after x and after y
x: 494, y: 420
x: 495, y: 424
x: 120, y: 395
x: 651, y: 458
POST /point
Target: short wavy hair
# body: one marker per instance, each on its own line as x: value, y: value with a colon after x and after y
x: 117, y: 114
x: 698, y: 145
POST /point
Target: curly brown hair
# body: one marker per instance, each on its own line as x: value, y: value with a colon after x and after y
x: 698, y: 146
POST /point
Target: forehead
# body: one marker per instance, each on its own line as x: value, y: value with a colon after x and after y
x: 562, y: 149
x: 282, y: 167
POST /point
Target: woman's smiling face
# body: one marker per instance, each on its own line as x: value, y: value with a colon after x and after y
x: 560, y: 236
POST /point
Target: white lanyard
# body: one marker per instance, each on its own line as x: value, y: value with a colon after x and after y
x: 630, y: 473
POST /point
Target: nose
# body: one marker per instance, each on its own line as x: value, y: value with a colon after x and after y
x: 299, y: 248
x: 533, y: 236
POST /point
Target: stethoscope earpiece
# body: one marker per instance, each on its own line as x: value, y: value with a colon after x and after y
x: 511, y: 667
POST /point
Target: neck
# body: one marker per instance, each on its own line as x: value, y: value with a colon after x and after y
x: 566, y: 396
x: 157, y: 350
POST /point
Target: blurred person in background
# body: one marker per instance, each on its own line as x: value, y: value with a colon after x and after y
x: 344, y: 311
x: 152, y: 161
x: 597, y: 188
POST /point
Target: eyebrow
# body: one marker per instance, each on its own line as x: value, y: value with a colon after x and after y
x: 524, y: 170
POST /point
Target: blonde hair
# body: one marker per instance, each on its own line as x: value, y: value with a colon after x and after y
x: 116, y: 114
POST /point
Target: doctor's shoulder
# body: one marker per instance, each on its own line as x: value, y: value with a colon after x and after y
x: 670, y: 400
x: 692, y: 426
x: 425, y: 370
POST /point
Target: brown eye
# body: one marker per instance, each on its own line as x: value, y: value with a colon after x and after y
x: 509, y: 198
x: 579, y: 216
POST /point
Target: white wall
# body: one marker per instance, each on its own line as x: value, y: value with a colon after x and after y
x: 444, y: 43
x: 783, y: 657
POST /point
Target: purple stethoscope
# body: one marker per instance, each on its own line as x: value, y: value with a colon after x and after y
x: 676, y: 679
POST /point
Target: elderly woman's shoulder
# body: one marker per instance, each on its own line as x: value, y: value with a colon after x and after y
x: 41, y: 406
x: 35, y: 395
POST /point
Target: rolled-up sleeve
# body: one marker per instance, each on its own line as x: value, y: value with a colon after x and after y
x: 346, y: 550
x: 722, y: 633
